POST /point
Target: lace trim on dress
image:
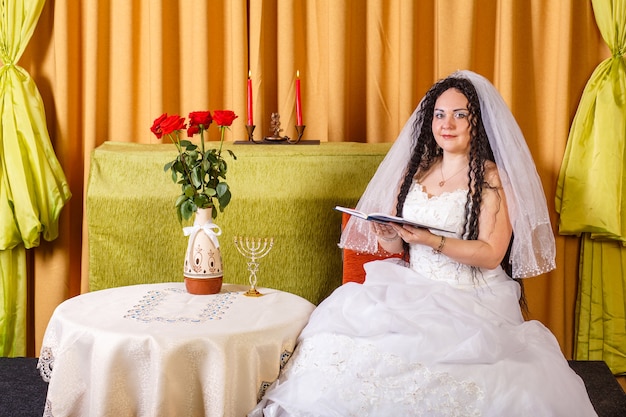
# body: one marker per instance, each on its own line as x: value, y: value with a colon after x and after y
x: 375, y: 381
x: 446, y: 210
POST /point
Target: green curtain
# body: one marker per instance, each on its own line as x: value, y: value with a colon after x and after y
x: 33, y: 188
x: 591, y: 197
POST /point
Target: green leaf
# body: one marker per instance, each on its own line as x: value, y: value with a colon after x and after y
x: 202, y: 201
x: 189, y: 190
x: 221, y: 189
x: 181, y: 198
x: 188, y: 145
x: 187, y: 209
x: 232, y: 154
x: 191, y: 158
x: 211, y: 156
x: 196, y: 177
x: 224, y: 199
x: 178, y: 166
x: 168, y: 166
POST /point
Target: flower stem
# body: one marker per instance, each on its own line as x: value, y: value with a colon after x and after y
x: 202, y: 147
x: 222, y: 139
x: 175, y: 141
x: 202, y: 139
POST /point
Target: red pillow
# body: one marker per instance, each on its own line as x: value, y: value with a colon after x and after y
x: 353, y: 261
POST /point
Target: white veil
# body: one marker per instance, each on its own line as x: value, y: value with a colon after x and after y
x: 533, y: 251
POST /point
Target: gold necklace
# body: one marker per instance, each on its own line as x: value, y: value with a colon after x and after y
x: 443, y: 179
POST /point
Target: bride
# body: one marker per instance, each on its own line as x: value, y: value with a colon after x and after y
x: 440, y: 332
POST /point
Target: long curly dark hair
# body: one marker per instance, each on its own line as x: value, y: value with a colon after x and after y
x: 426, y: 153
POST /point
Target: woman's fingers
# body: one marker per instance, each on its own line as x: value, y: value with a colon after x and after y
x: 383, y: 230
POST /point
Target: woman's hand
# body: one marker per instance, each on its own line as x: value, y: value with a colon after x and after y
x: 417, y: 235
x: 388, y: 238
x: 384, y: 231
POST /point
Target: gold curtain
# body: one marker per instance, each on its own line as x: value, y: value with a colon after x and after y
x: 107, y: 68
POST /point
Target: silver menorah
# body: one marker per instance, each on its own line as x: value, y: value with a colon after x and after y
x: 253, y: 249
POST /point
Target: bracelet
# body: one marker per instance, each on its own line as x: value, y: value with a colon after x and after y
x: 440, y: 247
x: 393, y: 239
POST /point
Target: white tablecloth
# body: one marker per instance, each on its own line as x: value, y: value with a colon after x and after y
x: 155, y: 350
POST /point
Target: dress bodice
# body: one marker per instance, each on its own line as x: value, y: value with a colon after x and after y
x: 446, y: 211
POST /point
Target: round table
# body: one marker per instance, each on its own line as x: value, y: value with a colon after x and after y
x: 155, y: 350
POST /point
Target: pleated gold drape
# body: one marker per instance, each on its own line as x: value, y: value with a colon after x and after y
x: 591, y: 197
x: 108, y: 68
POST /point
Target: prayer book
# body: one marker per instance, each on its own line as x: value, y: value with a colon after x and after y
x: 388, y: 218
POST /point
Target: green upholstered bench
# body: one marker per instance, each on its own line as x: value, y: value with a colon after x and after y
x: 287, y: 192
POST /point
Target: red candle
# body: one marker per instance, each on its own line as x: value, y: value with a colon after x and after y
x: 250, y: 117
x: 298, y: 101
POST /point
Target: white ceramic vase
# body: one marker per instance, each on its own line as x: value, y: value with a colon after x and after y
x: 203, y: 269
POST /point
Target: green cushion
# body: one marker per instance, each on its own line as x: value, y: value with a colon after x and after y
x: 282, y: 191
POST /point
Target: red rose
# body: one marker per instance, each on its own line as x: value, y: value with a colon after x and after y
x: 156, y: 126
x: 224, y: 117
x: 192, y: 130
x: 164, y: 125
x: 200, y: 118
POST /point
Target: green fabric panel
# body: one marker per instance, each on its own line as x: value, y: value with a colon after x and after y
x: 590, y: 189
x: 287, y: 192
x: 13, y: 295
x: 33, y: 188
x: 591, y: 182
x: 591, y: 197
x: 601, y: 325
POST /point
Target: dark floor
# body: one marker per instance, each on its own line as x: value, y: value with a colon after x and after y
x: 23, y: 392
x: 606, y: 394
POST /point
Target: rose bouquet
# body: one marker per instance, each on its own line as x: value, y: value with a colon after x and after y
x: 201, y: 173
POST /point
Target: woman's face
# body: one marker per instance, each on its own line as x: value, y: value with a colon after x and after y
x: 450, y: 124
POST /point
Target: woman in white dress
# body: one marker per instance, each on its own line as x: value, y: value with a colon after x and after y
x: 441, y: 332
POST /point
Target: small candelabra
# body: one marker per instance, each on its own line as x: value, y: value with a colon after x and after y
x: 275, y: 129
x: 253, y: 249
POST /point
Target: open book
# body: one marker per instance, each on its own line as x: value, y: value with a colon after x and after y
x: 388, y: 218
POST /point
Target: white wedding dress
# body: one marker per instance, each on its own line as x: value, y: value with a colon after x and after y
x: 426, y: 340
